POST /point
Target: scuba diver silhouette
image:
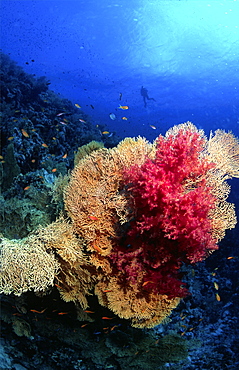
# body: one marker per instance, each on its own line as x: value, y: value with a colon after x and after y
x: 144, y: 93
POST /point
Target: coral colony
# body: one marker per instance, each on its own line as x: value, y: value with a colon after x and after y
x: 136, y: 213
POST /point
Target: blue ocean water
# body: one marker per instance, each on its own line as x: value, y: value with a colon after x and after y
x: 99, y: 53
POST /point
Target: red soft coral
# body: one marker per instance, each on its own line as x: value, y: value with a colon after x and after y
x: 172, y: 224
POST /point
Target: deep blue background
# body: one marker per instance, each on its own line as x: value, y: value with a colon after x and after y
x: 186, y: 53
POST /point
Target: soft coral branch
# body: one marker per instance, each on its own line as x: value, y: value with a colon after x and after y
x: 172, y: 224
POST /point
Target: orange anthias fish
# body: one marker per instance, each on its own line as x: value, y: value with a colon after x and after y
x: 147, y: 282
x: 96, y: 248
x: 82, y: 120
x: 77, y: 106
x: 35, y: 311
x: 93, y: 218
x: 153, y: 127
x: 24, y: 132
x: 124, y: 118
x: 84, y: 325
x: 124, y: 107
x: 44, y: 145
x: 107, y: 318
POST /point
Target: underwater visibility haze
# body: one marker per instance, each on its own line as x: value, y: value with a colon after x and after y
x: 119, y: 170
x: 100, y: 53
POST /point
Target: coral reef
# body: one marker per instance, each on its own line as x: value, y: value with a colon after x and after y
x: 173, y: 201
x: 138, y: 212
x: 69, y: 303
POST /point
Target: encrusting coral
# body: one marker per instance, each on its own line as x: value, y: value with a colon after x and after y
x: 137, y: 212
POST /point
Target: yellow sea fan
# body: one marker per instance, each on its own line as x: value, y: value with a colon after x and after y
x: 223, y: 149
x: 25, y: 266
x: 143, y: 309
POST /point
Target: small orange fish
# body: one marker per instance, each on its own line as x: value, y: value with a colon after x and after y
x: 35, y: 311
x: 106, y: 318
x: 44, y: 145
x: 153, y: 127
x: 63, y: 313
x: 107, y: 291
x: 1, y: 157
x: 24, y: 132
x: 33, y: 160
x: 147, y: 282
x: 77, y: 106
x: 54, y: 138
x: 27, y: 187
x: 105, y: 132
x: 64, y: 156
x: 58, y: 286
x: 124, y: 118
x: 54, y: 170
x: 216, y: 285
x: 93, y: 218
x: 218, y: 298
x: 10, y: 138
x: 87, y: 311
x: 230, y: 258
x: 113, y: 327
x: 81, y: 120
x: 17, y: 314
x: 33, y: 130
x: 82, y: 326
x: 97, y: 248
x: 124, y: 107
